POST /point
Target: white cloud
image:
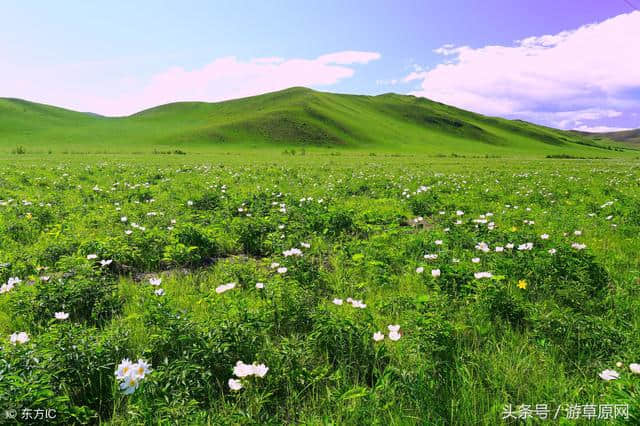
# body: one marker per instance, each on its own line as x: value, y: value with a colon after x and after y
x: 569, y: 119
x: 222, y: 79
x: 600, y: 129
x: 349, y: 57
x: 563, y: 78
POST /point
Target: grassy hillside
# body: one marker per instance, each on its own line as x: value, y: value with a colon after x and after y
x: 629, y: 137
x: 295, y: 117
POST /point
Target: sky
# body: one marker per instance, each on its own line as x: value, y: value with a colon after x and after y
x: 571, y: 64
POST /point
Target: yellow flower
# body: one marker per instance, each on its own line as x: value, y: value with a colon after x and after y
x: 522, y: 284
x: 514, y: 229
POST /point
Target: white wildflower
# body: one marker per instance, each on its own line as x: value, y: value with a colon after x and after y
x: 235, y: 384
x: 609, y: 375
x: 20, y: 337
x: 225, y: 287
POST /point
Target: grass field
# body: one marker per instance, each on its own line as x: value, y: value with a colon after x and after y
x: 508, y: 281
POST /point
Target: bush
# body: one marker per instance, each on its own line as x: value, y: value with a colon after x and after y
x: 347, y: 346
x: 86, y: 299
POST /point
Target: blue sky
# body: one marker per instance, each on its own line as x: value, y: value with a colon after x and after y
x: 119, y: 57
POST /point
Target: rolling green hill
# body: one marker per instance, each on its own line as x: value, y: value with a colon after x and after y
x: 629, y: 137
x: 295, y: 117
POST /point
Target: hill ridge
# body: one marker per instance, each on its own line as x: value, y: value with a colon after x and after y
x: 293, y: 117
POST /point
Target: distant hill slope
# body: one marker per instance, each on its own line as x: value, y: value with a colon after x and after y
x: 630, y: 137
x: 295, y: 117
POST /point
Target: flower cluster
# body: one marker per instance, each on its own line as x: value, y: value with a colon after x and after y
x: 131, y: 374
x: 292, y: 252
x: 353, y: 302
x: 242, y: 370
x: 394, y: 334
x: 608, y: 374
x: 480, y: 275
x: 20, y: 337
x: 5, y: 288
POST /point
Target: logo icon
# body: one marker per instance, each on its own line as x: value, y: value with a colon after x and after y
x: 10, y: 413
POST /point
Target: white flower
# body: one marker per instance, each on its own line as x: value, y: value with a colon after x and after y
x: 544, y: 236
x: 430, y: 256
x: 92, y: 256
x: 243, y: 370
x: 358, y: 304
x: 378, y: 336
x: 106, y: 262
x: 159, y: 292
x: 577, y: 232
x: 282, y: 270
x: 635, y: 368
x: 189, y: 203
x: 155, y: 281
x: 259, y: 286
x: 393, y: 328
x: 438, y: 242
x: 476, y: 260
x: 419, y: 269
x: 20, y: 337
x: 128, y: 232
x: 260, y: 369
x: 305, y: 245
x: 61, y: 315
x: 337, y: 301
x: 499, y: 249
x: 609, y: 375
x: 435, y: 273
x: 141, y: 369
x: 235, y: 384
x: 123, y: 369
x: 221, y: 289
x: 292, y: 252
x: 394, y: 336
x: 123, y: 219
x: 5, y: 288
x: 578, y: 246
x: 13, y: 280
x: 274, y: 265
x: 479, y: 275
x: 129, y: 385
x: 552, y: 251
x: 482, y: 246
x: 509, y: 245
x: 525, y: 246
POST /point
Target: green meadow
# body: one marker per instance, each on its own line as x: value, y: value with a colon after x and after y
x: 309, y: 258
